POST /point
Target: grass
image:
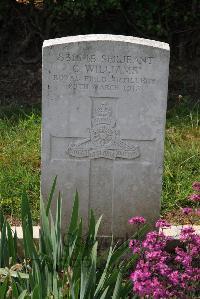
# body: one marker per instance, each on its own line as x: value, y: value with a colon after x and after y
x: 20, y: 156
x: 182, y: 154
x: 19, y: 159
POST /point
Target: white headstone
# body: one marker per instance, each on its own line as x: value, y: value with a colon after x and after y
x: 104, y: 108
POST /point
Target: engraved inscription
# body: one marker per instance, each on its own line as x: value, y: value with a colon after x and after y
x: 93, y: 72
x: 104, y: 140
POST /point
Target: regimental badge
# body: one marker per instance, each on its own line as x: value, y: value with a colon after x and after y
x: 104, y: 140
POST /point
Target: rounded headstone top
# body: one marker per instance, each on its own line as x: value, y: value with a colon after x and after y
x: 106, y: 37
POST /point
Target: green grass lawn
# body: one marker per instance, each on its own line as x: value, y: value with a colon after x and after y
x: 182, y: 155
x: 20, y: 157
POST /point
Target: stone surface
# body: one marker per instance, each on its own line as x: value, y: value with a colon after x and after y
x: 104, y: 106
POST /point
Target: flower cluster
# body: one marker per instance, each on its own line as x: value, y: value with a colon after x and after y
x: 137, y: 220
x: 160, y: 273
x: 196, y: 186
x: 161, y: 223
x: 195, y: 198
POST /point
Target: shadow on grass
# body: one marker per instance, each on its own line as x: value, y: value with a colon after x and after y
x: 14, y: 113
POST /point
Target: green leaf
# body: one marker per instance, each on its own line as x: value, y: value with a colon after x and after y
x: 38, y: 280
x: 15, y: 292
x: 74, y: 216
x: 1, y: 220
x: 91, y: 230
x: 23, y: 294
x: 3, y: 288
x: 3, y: 246
x: 32, y: 253
x: 126, y: 289
x: 103, y: 296
x: 26, y: 213
x: 74, y: 252
x: 58, y: 232
x: 103, y: 276
x: 83, y: 279
x: 97, y: 227
x: 36, y: 292
x: 45, y: 233
x: 51, y: 196
x: 116, y: 293
x: 26, y: 221
x: 31, y: 281
x: 15, y: 241
x: 11, y: 245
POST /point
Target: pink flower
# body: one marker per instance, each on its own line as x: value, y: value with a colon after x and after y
x: 187, y: 233
x: 154, y: 241
x: 183, y: 257
x: 187, y: 211
x: 174, y: 277
x: 162, y: 268
x: 134, y: 245
x: 194, y: 197
x: 160, y: 273
x: 196, y: 186
x: 187, y: 230
x: 162, y: 223
x: 137, y: 220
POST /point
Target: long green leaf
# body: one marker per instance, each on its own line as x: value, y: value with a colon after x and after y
x: 84, y: 277
x: 51, y: 196
x: 4, y: 288
x: 45, y: 233
x: 74, y: 216
x: 58, y: 231
x: 32, y: 253
x: 1, y: 220
x: 103, y: 276
x: 36, y: 293
x: 15, y: 292
x: 116, y: 293
x: 26, y: 221
x: 97, y: 227
x: 103, y: 296
x: 91, y: 229
x: 23, y: 294
x: 4, y: 246
x: 11, y: 245
x: 38, y: 280
x: 26, y: 213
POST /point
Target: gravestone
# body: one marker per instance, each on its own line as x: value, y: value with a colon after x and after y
x: 103, y: 121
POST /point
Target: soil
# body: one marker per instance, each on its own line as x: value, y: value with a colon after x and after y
x: 176, y: 217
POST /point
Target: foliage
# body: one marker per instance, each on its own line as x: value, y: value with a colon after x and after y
x: 70, y: 269
x: 168, y: 20
x: 160, y: 273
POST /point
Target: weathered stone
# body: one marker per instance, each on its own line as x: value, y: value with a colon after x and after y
x: 104, y: 106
